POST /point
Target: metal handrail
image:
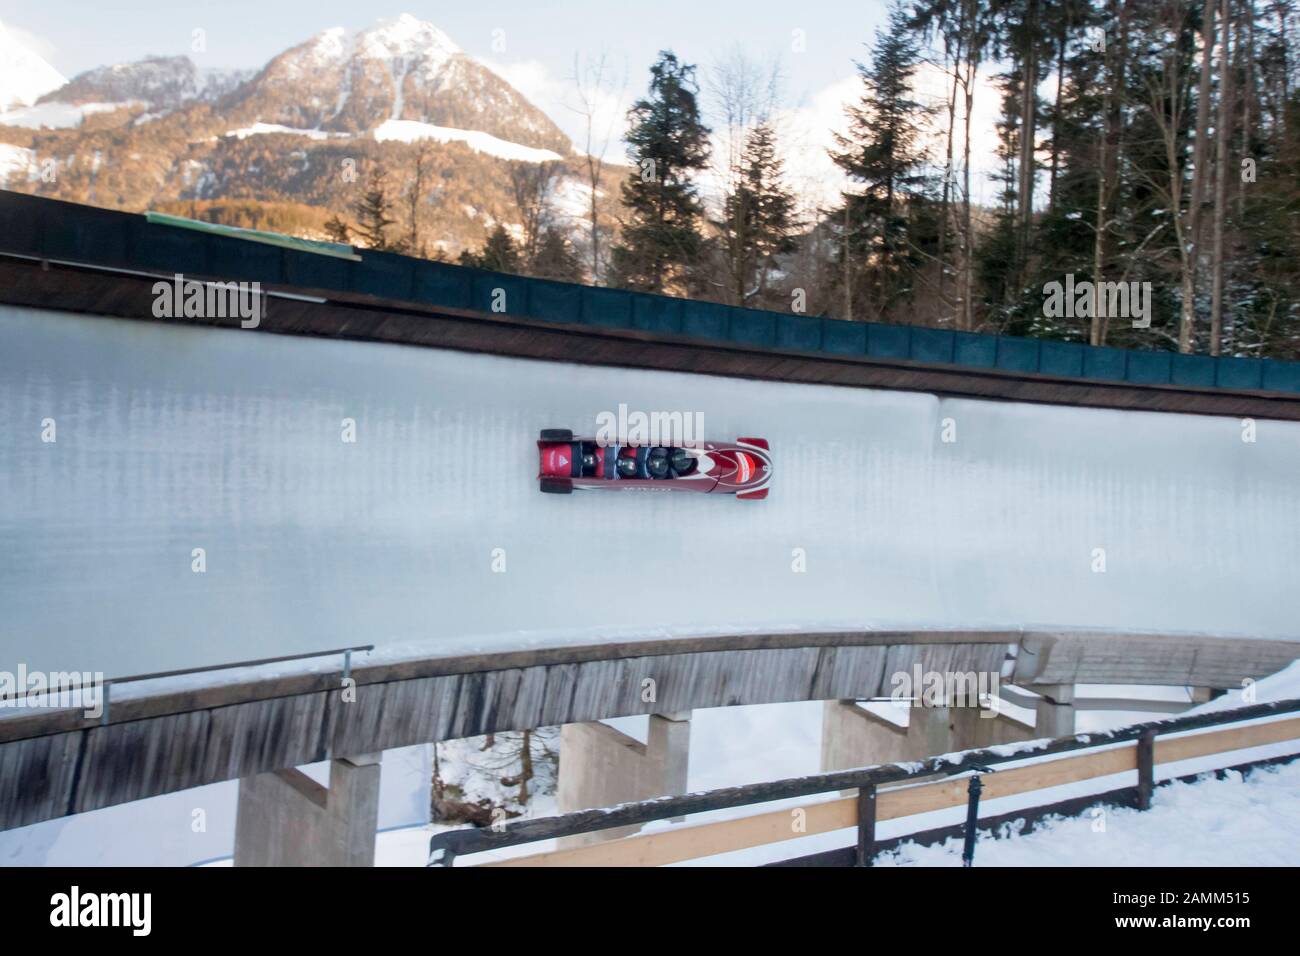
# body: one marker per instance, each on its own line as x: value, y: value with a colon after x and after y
x: 445, y: 847
x: 184, y: 671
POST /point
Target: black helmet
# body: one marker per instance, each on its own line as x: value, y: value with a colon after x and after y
x: 627, y: 466
x: 658, y: 462
x: 683, y: 462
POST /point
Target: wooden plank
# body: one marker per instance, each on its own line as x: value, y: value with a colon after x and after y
x: 679, y: 845
x: 688, y: 843
x: 1221, y: 741
x: 675, y: 846
x: 943, y: 794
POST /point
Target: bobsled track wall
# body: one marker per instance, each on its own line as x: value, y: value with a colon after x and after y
x: 932, y: 498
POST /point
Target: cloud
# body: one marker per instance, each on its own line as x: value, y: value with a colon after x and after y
x: 558, y: 98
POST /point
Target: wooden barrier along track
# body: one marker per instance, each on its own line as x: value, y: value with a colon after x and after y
x: 682, y: 844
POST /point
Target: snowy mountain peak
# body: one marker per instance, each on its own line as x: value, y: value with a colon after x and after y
x: 24, y: 75
x: 403, y: 70
x: 404, y: 37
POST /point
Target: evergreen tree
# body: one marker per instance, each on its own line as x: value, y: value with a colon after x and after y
x: 883, y: 152
x: 668, y: 144
x: 758, y: 217
x: 499, y: 253
x: 373, y: 211
x: 338, y: 231
x: 556, y: 258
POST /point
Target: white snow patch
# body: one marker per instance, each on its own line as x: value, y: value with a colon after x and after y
x: 58, y: 115
x: 258, y: 129
x: 410, y: 131
x: 15, y: 161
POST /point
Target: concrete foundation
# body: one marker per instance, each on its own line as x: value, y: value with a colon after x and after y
x: 601, y: 766
x: 285, y: 818
x: 855, y: 737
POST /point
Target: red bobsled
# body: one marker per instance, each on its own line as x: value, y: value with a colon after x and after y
x: 743, y: 469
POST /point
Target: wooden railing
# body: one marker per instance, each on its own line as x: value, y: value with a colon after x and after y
x: 1136, y: 748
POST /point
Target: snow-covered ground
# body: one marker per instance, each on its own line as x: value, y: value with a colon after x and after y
x: 1230, y: 822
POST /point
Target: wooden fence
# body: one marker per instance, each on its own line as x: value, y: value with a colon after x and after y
x: 1136, y: 748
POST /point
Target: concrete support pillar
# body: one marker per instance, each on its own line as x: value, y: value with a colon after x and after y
x: 285, y: 818
x: 1055, y: 711
x: 930, y: 731
x: 855, y: 737
x: 600, y: 766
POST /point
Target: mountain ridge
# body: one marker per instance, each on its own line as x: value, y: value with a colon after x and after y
x: 307, y: 131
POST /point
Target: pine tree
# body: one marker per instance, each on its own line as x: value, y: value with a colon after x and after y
x: 499, y: 253
x: 373, y: 213
x: 556, y: 258
x: 758, y: 217
x: 883, y: 152
x: 338, y: 230
x: 668, y: 144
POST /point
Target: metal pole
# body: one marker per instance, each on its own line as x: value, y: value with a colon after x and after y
x: 1146, y: 765
x: 972, y: 816
x: 866, y: 825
